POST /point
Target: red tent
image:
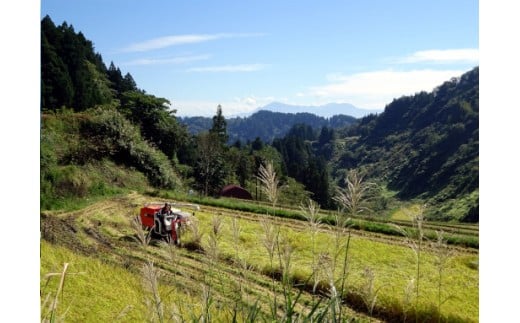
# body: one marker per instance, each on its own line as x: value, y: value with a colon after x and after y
x: 236, y: 192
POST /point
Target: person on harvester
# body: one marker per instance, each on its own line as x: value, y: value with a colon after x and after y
x: 165, y: 210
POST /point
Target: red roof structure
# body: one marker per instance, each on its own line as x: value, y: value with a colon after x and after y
x: 236, y: 191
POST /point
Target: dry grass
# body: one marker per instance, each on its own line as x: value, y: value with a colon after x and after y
x: 354, y: 197
x: 270, y: 182
x: 141, y: 235
x: 150, y: 277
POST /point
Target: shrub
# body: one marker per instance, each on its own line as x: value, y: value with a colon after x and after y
x: 115, y: 136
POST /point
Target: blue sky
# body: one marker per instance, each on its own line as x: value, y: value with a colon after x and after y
x: 300, y: 48
x: 245, y: 54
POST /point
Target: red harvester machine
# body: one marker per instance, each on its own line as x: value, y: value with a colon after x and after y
x: 165, y: 226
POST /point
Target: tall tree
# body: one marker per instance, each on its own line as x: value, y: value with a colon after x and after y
x: 128, y: 83
x: 210, y: 170
x: 115, y: 76
x: 157, y: 122
x: 316, y: 180
x: 219, y: 126
x: 326, y: 142
x: 56, y: 86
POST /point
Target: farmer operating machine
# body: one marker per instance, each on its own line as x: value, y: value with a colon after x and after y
x: 162, y: 221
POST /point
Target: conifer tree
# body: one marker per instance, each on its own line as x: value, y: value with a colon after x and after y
x: 219, y: 126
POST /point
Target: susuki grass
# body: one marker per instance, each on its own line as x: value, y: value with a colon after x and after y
x: 50, y: 304
x: 270, y: 182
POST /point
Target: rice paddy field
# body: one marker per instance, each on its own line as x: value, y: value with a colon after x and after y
x: 238, y: 266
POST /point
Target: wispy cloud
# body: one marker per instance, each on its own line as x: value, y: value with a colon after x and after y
x: 229, y: 68
x: 230, y: 107
x: 171, y: 60
x: 373, y: 90
x: 176, y: 40
x: 444, y: 56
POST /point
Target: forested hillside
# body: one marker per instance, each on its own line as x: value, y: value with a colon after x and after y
x: 102, y: 135
x: 424, y: 145
x: 266, y: 125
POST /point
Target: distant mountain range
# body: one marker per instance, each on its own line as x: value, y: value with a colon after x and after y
x: 326, y: 111
x: 266, y: 125
x: 275, y: 119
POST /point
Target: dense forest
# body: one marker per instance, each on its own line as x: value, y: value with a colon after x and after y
x: 101, y: 135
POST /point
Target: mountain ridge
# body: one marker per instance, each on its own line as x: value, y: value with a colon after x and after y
x: 327, y: 110
x: 266, y: 125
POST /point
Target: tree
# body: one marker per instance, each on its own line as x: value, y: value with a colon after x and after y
x: 257, y: 144
x: 219, y: 126
x: 115, y: 76
x: 56, y: 86
x: 128, y: 83
x: 326, y: 142
x: 317, y: 181
x: 243, y: 170
x: 210, y: 169
x: 72, y: 73
x: 157, y: 122
x: 98, y: 86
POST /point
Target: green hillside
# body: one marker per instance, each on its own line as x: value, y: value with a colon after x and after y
x: 424, y: 146
x: 102, y: 135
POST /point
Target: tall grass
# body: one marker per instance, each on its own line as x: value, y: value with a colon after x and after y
x: 442, y: 256
x: 142, y: 236
x: 369, y: 292
x: 270, y: 182
x: 150, y: 275
x: 354, y: 197
x: 50, y: 308
x: 312, y: 212
x: 416, y: 245
x: 269, y: 240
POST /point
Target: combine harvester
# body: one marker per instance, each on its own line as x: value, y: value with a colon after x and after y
x: 161, y: 221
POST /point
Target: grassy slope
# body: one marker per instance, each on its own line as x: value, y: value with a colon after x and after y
x: 103, y: 248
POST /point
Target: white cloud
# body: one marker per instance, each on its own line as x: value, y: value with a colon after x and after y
x: 467, y: 55
x: 374, y: 90
x: 171, y: 60
x: 229, y: 68
x: 175, y: 40
x: 232, y: 107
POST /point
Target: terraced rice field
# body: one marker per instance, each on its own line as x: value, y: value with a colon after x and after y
x: 246, y: 267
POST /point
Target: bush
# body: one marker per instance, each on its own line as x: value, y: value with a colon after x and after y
x: 463, y: 209
x: 96, y: 153
x: 115, y: 136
